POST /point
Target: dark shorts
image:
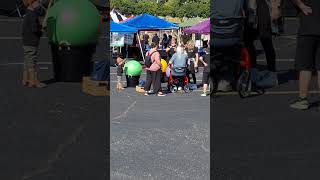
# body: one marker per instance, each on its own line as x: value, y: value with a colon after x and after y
x: 308, y: 53
x: 205, y: 78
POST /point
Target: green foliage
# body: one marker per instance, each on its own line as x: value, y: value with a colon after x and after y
x: 173, y: 8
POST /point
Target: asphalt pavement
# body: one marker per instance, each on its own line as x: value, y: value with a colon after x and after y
x: 48, y: 134
x: 159, y: 137
x: 261, y: 138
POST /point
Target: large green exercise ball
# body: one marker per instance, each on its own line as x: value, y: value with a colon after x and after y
x: 133, y: 68
x: 73, y: 22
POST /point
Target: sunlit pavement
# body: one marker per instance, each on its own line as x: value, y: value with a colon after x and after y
x: 159, y: 137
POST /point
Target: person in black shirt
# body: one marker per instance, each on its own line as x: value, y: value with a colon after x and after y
x: 165, y: 41
x: 31, y: 34
x: 193, y: 59
x: 205, y: 59
x: 156, y: 39
x: 308, y: 49
x: 172, y: 48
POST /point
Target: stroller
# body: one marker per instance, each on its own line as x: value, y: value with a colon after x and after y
x: 177, y: 78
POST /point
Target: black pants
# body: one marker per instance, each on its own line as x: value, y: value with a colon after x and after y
x: 148, y: 83
x: 154, y: 78
x: 269, y: 52
x: 193, y: 77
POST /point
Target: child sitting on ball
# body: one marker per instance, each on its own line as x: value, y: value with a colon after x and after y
x: 120, y: 63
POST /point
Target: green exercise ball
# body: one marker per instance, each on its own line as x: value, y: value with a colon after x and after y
x: 73, y: 22
x: 133, y: 68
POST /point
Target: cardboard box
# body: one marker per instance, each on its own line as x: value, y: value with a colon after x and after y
x: 95, y: 88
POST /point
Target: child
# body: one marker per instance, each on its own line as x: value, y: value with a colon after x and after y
x: 205, y: 59
x: 31, y: 34
x: 120, y: 63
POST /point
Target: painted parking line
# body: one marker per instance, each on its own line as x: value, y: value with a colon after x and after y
x: 126, y: 81
x: 267, y: 93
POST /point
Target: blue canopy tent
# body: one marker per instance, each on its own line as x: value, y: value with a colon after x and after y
x: 149, y: 22
x: 120, y: 28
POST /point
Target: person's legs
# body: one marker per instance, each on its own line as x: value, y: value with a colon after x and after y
x: 156, y: 79
x: 27, y: 61
x: 194, y: 78
x: 205, y: 82
x: 305, y: 59
x: 317, y: 61
x: 188, y: 75
x: 147, y: 85
x: 31, y: 64
x: 304, y: 81
x: 119, y: 83
x: 269, y: 52
x: 249, y: 44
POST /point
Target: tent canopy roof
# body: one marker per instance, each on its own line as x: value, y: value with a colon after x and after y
x: 201, y: 28
x: 120, y: 28
x: 149, y: 22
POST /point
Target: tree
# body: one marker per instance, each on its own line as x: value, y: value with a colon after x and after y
x: 174, y: 8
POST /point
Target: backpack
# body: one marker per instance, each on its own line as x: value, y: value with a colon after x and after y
x: 148, y: 61
x: 227, y: 22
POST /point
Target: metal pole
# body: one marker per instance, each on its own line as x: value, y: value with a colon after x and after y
x: 140, y: 46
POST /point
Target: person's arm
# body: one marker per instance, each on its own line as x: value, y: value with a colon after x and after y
x: 157, y: 58
x: 304, y: 8
x: 276, y: 9
x: 197, y: 60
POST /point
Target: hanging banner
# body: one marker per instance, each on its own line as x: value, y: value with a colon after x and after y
x: 117, y: 40
x: 128, y: 39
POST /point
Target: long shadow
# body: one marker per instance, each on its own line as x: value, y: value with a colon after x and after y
x: 284, y: 76
x: 50, y: 81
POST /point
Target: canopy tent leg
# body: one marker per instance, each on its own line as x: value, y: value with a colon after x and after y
x: 140, y: 46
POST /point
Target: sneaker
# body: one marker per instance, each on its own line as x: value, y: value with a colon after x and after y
x: 301, y: 103
x: 179, y: 88
x: 161, y: 94
x: 204, y: 94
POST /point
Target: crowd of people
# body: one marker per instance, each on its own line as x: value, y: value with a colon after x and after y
x: 178, y: 55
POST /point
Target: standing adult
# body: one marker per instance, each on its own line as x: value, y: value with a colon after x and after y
x: 205, y: 59
x: 165, y: 41
x: 31, y: 33
x: 146, y: 40
x: 156, y: 39
x: 193, y: 59
x: 261, y: 24
x: 154, y: 72
x: 308, y: 49
x: 172, y: 48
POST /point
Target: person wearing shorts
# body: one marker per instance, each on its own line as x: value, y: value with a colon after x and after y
x: 308, y: 49
x: 120, y: 63
x: 205, y: 59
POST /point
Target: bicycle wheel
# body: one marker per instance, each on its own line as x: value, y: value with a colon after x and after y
x: 244, y: 85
